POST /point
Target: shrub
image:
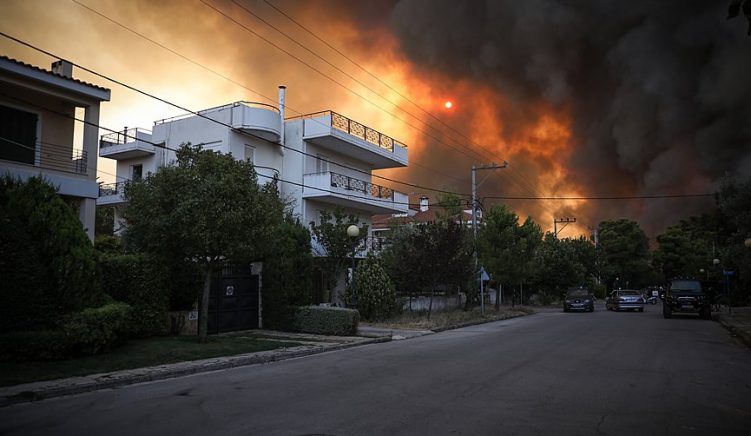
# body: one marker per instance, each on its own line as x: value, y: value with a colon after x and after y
x: 37, y: 345
x: 138, y: 280
x: 287, y: 272
x: 376, y: 298
x: 49, y: 265
x: 326, y: 320
x: 98, y: 330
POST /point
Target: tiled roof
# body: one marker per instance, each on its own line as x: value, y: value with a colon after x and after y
x: 33, y: 67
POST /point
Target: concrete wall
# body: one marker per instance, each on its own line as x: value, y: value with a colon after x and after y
x: 440, y: 303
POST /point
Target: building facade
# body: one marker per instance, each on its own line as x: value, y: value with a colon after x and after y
x: 323, y: 160
x: 39, y: 134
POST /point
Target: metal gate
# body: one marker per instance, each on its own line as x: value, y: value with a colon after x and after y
x: 233, y: 303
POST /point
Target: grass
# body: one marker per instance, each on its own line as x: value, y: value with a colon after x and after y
x: 420, y: 321
x: 136, y: 354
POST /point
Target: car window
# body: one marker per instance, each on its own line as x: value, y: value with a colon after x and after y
x: 685, y: 286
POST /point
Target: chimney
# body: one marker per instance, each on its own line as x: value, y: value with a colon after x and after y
x: 423, y: 204
x: 282, y: 90
x: 63, y: 68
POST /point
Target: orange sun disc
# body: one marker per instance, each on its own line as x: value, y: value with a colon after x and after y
x: 448, y: 105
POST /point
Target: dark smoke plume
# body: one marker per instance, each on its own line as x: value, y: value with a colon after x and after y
x: 659, y: 92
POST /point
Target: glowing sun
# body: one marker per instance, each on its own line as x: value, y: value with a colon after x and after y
x: 448, y: 104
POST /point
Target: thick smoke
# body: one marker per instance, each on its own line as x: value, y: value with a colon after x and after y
x: 658, y: 93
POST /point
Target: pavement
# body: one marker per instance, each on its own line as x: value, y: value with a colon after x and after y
x: 737, y: 322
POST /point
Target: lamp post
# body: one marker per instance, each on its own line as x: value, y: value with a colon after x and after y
x: 353, y: 232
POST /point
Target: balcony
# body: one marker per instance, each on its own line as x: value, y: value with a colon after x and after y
x: 111, y: 194
x: 128, y: 144
x: 341, y: 190
x: 338, y: 133
x: 257, y: 119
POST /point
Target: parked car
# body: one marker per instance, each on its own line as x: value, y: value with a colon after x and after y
x: 578, y: 299
x: 686, y: 296
x: 625, y: 299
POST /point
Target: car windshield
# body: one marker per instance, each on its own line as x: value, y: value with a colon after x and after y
x: 578, y: 293
x: 685, y: 286
x: 628, y: 293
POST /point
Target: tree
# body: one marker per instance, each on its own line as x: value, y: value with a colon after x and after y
x: 104, y: 221
x: 681, y: 253
x: 376, y: 299
x: 505, y: 248
x: 337, y: 247
x: 48, y: 267
x: 426, y: 257
x: 206, y: 208
x: 557, y: 266
x: 287, y: 274
x: 625, y: 253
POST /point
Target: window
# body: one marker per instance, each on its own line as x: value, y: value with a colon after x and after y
x: 18, y: 135
x: 136, y: 172
x: 250, y: 153
x: 322, y: 164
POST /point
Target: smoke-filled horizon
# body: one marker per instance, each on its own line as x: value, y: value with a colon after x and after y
x: 582, y: 98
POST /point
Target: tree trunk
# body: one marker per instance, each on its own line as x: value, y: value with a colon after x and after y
x: 203, y: 310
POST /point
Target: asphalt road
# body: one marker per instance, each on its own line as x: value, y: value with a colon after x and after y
x: 549, y: 374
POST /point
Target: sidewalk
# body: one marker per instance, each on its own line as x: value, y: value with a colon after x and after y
x: 312, y: 344
x: 738, y: 322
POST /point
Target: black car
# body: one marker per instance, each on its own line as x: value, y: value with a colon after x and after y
x: 686, y: 296
x: 579, y: 299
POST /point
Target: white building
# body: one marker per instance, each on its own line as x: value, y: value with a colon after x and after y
x: 38, y: 135
x: 324, y: 159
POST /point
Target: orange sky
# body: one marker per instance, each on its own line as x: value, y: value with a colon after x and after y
x: 443, y: 143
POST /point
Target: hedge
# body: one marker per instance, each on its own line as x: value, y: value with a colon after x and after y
x: 138, y: 280
x: 36, y: 345
x: 90, y: 331
x: 98, y: 330
x: 326, y: 320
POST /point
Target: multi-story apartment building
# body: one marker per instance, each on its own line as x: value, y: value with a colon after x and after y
x: 38, y: 135
x: 324, y: 160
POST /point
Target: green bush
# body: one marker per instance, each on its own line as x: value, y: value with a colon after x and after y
x: 287, y: 272
x: 49, y: 265
x: 98, y: 330
x: 376, y: 298
x: 326, y: 320
x: 37, y: 345
x: 138, y: 280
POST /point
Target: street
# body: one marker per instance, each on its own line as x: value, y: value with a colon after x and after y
x: 549, y: 373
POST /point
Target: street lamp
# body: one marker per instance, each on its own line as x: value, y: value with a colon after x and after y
x: 747, y: 242
x: 353, y: 232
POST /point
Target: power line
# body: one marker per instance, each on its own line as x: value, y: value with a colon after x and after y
x: 199, y: 114
x: 625, y: 197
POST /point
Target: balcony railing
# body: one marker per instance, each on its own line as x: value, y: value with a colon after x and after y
x: 205, y: 112
x: 119, y: 138
x: 352, y: 127
x: 361, y: 186
x: 107, y: 189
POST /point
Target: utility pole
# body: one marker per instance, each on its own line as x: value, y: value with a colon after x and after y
x: 564, y: 221
x: 491, y: 166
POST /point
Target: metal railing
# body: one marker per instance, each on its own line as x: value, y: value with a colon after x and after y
x: 366, y: 188
x: 349, y: 126
x: 107, y: 189
x: 119, y: 138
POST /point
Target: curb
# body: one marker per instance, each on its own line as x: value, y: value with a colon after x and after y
x: 735, y: 332
x: 471, y: 323
x: 28, y: 392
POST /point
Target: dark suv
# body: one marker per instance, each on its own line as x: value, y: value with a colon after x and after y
x: 686, y: 296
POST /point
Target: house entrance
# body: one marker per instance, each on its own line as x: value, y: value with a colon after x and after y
x: 233, y: 303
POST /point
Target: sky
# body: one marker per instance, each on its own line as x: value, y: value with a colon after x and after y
x: 581, y: 98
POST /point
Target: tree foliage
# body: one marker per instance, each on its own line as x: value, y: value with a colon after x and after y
x: 625, y: 253
x: 205, y: 208
x: 373, y: 291
x: 49, y: 265
x: 505, y: 248
x: 336, y: 245
x: 557, y: 265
